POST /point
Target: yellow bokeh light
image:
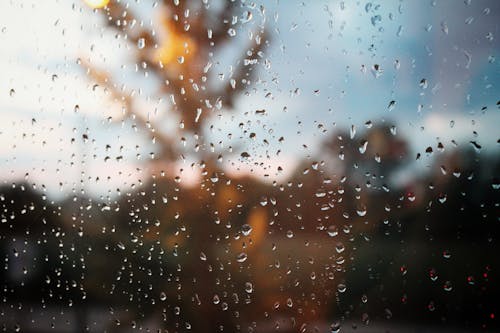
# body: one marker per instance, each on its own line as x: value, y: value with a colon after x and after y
x: 97, y: 3
x: 174, y: 46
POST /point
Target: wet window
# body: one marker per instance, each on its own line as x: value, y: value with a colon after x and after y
x: 249, y: 166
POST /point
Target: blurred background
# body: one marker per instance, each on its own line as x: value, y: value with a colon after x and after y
x: 249, y: 166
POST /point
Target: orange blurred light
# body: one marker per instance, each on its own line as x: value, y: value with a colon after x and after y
x: 174, y: 46
x: 258, y: 220
x: 96, y: 3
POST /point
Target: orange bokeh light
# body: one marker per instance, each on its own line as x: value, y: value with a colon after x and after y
x: 174, y: 46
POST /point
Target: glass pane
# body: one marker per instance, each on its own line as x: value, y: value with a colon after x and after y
x: 249, y: 166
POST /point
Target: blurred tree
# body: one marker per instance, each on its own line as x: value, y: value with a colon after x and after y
x: 178, y: 49
x: 375, y: 153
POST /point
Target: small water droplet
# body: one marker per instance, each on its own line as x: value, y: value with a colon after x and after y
x: 248, y: 287
x: 214, y: 178
x: 446, y: 254
x: 332, y: 231
x: 335, y: 328
x: 433, y: 274
x: 141, y: 43
x: 246, y: 229
x: 362, y: 147
x: 444, y: 27
x: 392, y: 105
x: 400, y: 31
x: 431, y: 307
x: 339, y: 247
x: 242, y: 257
x: 447, y: 286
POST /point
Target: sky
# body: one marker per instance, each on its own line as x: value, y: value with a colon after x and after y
x: 321, y: 72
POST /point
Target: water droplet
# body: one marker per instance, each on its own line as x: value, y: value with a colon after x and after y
x: 332, y: 231
x: 444, y: 27
x: 442, y: 198
x: 477, y: 146
x: 376, y: 19
x: 241, y: 257
x: 214, y: 178
x: 141, y: 43
x: 248, y: 287
x: 433, y: 274
x: 352, y: 131
x: 362, y: 147
x: 392, y: 105
x: 400, y: 31
x: 361, y: 211
x: 246, y: 229
x: 431, y: 307
x: 365, y: 318
x: 377, y: 71
x: 335, y: 328
x: 320, y: 194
